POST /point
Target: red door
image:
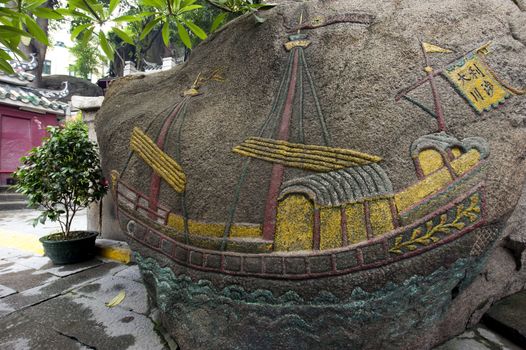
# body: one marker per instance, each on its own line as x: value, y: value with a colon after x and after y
x: 20, y: 131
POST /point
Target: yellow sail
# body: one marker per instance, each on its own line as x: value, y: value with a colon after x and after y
x: 297, y: 155
x: 161, y: 163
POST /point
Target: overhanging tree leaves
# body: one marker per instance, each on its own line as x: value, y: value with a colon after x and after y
x: 27, y: 20
x: 19, y: 20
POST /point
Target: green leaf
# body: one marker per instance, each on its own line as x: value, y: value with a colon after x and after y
x: 129, y: 18
x: 78, y: 29
x: 5, y: 66
x: 218, y: 21
x: 262, y: 6
x: 166, y: 33
x: 189, y: 8
x: 4, y: 55
x: 123, y: 35
x: 30, y: 5
x: 196, y: 30
x: 80, y: 4
x: 113, y: 5
x: 10, y: 31
x: 153, y: 3
x: 35, y: 30
x: 86, y: 37
x: 148, y: 28
x: 176, y: 5
x: 183, y: 34
x: 44, y: 12
x: 187, y: 2
x: 106, y: 47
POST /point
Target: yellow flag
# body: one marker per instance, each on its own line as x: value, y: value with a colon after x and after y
x: 474, y: 80
x: 433, y: 48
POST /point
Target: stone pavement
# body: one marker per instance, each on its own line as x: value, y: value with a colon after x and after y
x: 43, y: 306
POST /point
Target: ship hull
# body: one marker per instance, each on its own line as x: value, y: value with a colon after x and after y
x: 442, y: 226
x: 240, y: 312
x: 412, y: 273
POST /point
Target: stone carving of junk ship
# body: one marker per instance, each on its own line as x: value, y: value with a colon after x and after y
x: 323, y: 233
x: 344, y: 218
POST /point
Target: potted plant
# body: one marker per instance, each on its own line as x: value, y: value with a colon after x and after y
x: 61, y: 177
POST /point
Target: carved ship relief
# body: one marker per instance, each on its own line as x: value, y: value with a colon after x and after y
x: 343, y: 215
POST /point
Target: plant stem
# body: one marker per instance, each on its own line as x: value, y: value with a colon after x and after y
x: 93, y: 12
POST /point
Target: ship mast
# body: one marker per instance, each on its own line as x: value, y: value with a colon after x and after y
x: 276, y: 177
x: 439, y: 114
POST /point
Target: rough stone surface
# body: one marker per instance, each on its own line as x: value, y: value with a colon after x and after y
x: 415, y: 303
x: 356, y: 87
x: 480, y: 338
x: 509, y: 318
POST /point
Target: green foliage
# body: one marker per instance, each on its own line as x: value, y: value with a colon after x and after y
x: 87, y: 58
x: 95, y: 19
x: 63, y: 175
x: 172, y: 12
x: 240, y: 7
x: 103, y: 19
x: 17, y: 21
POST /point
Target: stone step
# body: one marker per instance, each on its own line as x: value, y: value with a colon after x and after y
x: 11, y: 197
x: 508, y: 318
x: 15, y: 205
x: 6, y: 189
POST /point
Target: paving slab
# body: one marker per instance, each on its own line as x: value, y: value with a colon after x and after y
x: 106, y: 288
x: 5, y: 291
x: 133, y: 273
x: 479, y: 338
x: 56, y: 287
x: 7, y: 253
x: 21, y: 332
x: 92, y: 323
x: 508, y: 318
x: 11, y: 276
x: 44, y: 265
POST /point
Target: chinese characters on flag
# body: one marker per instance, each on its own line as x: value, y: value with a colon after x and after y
x: 472, y: 77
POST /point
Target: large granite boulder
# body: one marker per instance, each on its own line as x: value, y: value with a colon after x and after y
x: 313, y: 182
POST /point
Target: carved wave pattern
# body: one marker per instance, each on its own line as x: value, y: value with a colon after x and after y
x: 240, y: 318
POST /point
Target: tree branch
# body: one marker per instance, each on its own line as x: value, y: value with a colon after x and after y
x: 93, y: 11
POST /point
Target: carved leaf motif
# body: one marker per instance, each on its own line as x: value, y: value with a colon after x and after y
x: 428, y: 236
x: 460, y: 209
x: 429, y: 225
x: 416, y: 233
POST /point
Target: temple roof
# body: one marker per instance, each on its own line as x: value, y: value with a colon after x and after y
x: 39, y: 99
x: 13, y: 91
x: 21, y: 76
